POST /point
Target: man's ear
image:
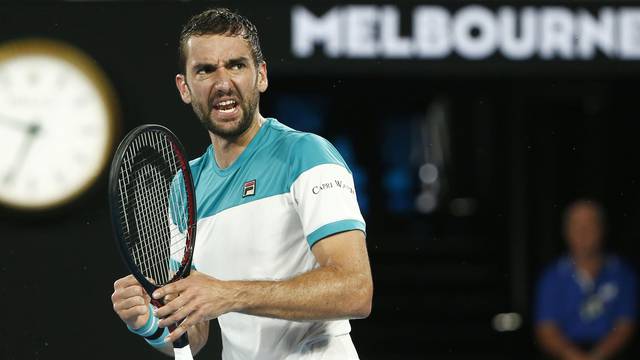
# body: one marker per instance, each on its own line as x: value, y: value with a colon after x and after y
x: 263, y: 82
x: 183, y: 88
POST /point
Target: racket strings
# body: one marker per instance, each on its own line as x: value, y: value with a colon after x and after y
x: 150, y: 227
x: 148, y: 211
x: 163, y: 249
x: 150, y: 224
x: 153, y: 244
x: 157, y: 204
x: 177, y: 203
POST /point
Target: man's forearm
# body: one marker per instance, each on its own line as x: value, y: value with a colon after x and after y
x: 554, y: 342
x: 320, y: 294
x: 615, y: 340
x: 340, y: 288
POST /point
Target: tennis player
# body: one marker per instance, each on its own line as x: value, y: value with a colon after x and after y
x: 280, y: 252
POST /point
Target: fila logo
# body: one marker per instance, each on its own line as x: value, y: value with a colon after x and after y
x: 249, y: 188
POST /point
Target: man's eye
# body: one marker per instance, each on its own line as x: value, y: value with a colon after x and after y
x: 204, y: 70
x: 237, y: 66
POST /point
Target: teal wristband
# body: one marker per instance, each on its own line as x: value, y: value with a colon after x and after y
x: 150, y: 327
x: 159, y: 341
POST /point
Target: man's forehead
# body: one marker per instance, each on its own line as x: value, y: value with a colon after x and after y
x: 585, y: 207
x: 217, y: 47
x: 584, y: 211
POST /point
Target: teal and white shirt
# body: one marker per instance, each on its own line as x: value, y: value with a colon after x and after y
x: 259, y: 218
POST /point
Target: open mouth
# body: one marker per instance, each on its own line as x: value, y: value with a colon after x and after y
x: 226, y: 106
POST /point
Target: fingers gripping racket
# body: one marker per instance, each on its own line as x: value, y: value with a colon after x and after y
x: 153, y: 211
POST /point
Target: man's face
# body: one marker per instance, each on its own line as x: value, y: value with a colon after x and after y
x: 222, y: 83
x: 584, y: 230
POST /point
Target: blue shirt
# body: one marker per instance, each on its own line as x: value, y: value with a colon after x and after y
x: 586, y: 309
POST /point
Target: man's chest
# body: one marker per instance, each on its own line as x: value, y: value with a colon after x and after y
x: 591, y: 301
x: 262, y: 239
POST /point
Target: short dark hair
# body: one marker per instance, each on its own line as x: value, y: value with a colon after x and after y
x: 219, y: 21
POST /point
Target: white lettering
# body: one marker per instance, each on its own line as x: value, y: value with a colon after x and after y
x: 393, y: 45
x: 595, y: 33
x: 431, y: 31
x: 360, y: 22
x: 474, y: 32
x: 557, y: 33
x: 517, y: 42
x: 308, y: 30
x: 629, y: 33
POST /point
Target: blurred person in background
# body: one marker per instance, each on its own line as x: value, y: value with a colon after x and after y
x: 586, y: 300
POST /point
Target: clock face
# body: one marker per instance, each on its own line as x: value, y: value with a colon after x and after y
x: 56, y: 125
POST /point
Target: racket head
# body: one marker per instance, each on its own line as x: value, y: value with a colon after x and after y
x: 153, y: 206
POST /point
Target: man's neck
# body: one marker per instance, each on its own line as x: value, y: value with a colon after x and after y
x: 590, y: 264
x: 228, y: 150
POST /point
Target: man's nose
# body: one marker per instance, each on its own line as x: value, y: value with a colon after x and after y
x: 222, y: 81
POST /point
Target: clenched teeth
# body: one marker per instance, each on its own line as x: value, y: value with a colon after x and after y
x: 226, y: 106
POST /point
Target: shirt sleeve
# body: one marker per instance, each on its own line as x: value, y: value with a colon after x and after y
x: 547, y: 307
x: 627, y: 306
x: 323, y: 190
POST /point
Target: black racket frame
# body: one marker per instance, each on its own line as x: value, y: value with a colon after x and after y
x: 185, y: 265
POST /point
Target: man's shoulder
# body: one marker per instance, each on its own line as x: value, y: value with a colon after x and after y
x: 617, y: 265
x: 299, y: 141
x: 303, y: 150
x: 559, y: 268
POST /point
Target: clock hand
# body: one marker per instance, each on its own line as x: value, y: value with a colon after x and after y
x: 15, y: 123
x: 33, y: 129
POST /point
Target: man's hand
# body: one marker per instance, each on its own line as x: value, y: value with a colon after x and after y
x: 576, y: 355
x: 192, y: 300
x: 130, y: 302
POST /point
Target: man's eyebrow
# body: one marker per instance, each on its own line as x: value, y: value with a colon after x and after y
x: 197, y: 66
x: 241, y: 59
x: 238, y: 60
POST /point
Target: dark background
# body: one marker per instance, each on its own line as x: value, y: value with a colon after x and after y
x: 523, y: 140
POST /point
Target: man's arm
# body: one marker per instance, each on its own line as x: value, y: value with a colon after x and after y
x: 340, y: 288
x: 131, y: 304
x: 614, y: 341
x: 624, y: 328
x: 553, y: 342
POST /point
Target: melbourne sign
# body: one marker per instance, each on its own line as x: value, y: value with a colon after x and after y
x: 472, y: 32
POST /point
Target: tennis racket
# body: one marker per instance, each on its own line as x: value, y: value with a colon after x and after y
x: 153, y: 210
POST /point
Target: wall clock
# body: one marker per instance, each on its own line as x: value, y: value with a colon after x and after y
x: 57, y: 123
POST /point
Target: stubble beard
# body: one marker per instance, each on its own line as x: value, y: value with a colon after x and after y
x: 248, y: 112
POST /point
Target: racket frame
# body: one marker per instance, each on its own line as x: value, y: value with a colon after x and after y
x: 114, y: 200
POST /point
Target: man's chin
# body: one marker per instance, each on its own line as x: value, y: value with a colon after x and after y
x: 226, y: 129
